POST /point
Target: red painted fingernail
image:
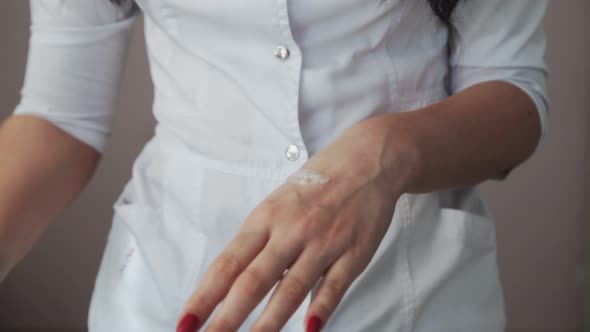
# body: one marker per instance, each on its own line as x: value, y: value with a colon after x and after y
x: 313, y: 324
x: 189, y: 323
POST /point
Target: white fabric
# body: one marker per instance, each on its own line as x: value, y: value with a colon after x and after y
x: 234, y: 121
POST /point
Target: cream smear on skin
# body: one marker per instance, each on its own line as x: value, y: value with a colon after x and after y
x: 307, y: 177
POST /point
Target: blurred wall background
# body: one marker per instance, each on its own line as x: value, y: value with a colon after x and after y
x: 540, y: 210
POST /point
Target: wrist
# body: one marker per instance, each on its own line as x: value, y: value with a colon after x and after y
x: 400, y: 159
x: 377, y: 151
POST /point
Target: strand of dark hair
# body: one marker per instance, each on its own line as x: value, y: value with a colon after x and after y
x: 130, y: 4
x: 444, y: 9
x: 119, y: 2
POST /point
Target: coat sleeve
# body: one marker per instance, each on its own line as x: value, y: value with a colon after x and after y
x: 503, y: 40
x: 77, y: 51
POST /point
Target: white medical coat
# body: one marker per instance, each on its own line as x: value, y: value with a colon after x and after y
x: 245, y: 93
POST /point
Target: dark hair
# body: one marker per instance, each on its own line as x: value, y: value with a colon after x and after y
x: 129, y: 5
x: 119, y: 3
x: 444, y: 9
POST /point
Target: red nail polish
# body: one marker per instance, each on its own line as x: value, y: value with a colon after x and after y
x: 189, y: 323
x: 313, y: 324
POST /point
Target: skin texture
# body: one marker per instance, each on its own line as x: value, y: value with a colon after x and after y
x: 332, y: 231
x: 42, y: 169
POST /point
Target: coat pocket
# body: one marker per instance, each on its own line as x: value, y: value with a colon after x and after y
x: 173, y: 250
x: 454, y: 272
x: 473, y: 229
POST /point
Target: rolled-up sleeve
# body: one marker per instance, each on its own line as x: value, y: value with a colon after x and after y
x: 503, y: 40
x: 77, y: 51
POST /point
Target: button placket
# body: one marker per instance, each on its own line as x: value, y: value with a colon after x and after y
x: 296, y: 148
x: 288, y: 49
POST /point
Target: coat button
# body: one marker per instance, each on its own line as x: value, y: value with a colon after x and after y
x: 282, y: 52
x: 292, y: 152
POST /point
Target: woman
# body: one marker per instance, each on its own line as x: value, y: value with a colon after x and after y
x: 313, y: 165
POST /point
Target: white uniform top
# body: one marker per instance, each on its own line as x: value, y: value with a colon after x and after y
x: 245, y: 92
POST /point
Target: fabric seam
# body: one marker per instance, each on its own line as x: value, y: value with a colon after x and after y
x: 409, y: 291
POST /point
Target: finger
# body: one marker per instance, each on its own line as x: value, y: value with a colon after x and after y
x: 330, y: 292
x: 291, y: 291
x: 220, y: 276
x: 252, y: 286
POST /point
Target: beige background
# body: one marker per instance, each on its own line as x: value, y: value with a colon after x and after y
x: 539, y: 210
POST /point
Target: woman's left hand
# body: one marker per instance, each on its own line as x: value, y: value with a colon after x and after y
x: 329, y: 230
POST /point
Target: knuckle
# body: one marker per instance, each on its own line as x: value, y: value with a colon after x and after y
x: 251, y: 282
x: 201, y: 304
x: 269, y: 208
x: 331, y: 292
x: 326, y: 251
x: 292, y: 289
x: 322, y: 309
x: 227, y: 265
x: 296, y: 239
x: 324, y: 254
x: 334, y: 288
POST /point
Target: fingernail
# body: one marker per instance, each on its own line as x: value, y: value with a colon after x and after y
x: 189, y: 323
x: 313, y: 324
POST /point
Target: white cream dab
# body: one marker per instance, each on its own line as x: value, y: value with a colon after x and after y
x: 306, y: 176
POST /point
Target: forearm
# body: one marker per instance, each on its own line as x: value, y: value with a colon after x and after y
x: 42, y: 169
x: 463, y: 140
